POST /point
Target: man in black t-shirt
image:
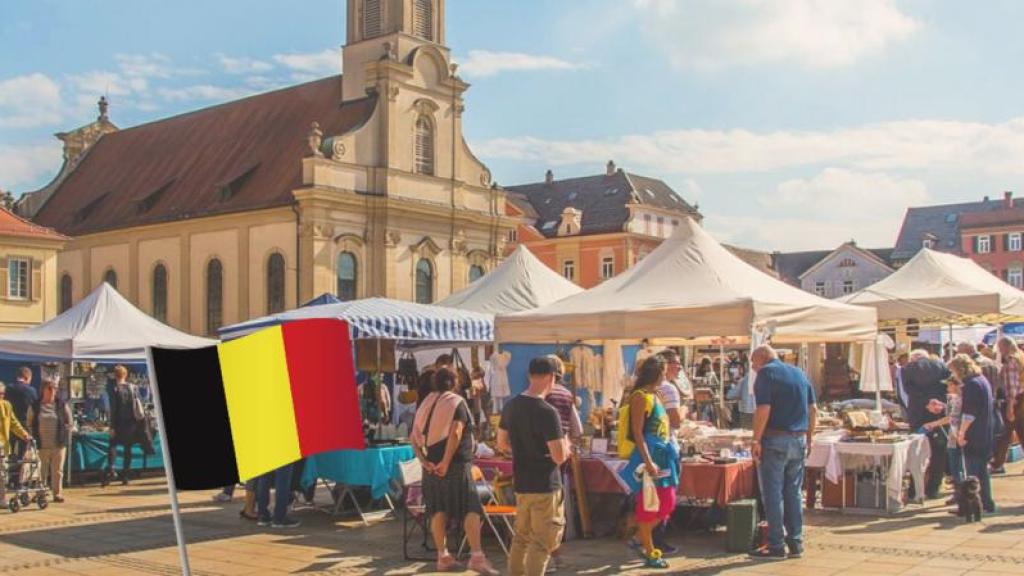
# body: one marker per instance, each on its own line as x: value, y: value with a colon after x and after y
x: 532, y: 432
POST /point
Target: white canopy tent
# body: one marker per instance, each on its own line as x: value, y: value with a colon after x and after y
x: 103, y: 327
x: 942, y: 289
x: 690, y: 290
x: 521, y: 282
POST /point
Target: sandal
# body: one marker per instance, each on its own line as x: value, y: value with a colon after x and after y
x: 245, y: 516
x: 654, y: 560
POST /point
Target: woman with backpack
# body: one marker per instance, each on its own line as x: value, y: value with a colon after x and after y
x: 442, y: 439
x: 653, y: 454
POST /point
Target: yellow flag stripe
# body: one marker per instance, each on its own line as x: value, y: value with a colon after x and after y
x: 259, y: 400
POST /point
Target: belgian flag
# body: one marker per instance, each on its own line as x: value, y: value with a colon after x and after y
x: 237, y: 410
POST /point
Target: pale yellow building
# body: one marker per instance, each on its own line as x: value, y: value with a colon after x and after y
x: 28, y: 272
x: 357, y: 186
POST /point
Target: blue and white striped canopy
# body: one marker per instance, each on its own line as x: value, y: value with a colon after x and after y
x: 386, y: 319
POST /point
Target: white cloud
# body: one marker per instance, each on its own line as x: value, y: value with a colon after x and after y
x: 904, y: 145
x: 205, y: 92
x: 486, y: 63
x: 29, y: 101
x: 153, y: 65
x: 243, y: 65
x: 821, y: 212
x: 22, y: 165
x: 813, y: 33
x: 318, y: 64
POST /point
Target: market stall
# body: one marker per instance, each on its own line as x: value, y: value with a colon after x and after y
x: 381, y: 329
x: 935, y: 288
x: 78, y: 347
x: 521, y: 282
x: 691, y: 291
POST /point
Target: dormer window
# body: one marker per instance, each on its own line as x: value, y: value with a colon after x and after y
x: 423, y: 19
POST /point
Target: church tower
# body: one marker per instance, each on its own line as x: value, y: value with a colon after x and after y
x: 390, y: 29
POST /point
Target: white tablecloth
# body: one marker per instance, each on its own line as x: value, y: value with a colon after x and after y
x: 910, y: 455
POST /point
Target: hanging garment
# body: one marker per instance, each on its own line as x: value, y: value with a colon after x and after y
x: 613, y: 373
x: 498, y: 382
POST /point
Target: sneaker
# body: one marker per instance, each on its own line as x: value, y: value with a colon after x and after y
x: 287, y: 523
x: 222, y: 497
x: 263, y: 522
x: 480, y: 565
x: 796, y: 549
x: 764, y: 553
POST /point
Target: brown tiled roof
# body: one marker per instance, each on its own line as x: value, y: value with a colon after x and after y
x: 756, y: 258
x: 238, y: 156
x: 943, y: 222
x: 13, y: 225
x: 602, y: 199
x: 998, y: 218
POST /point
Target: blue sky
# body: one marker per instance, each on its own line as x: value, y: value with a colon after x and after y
x: 795, y: 124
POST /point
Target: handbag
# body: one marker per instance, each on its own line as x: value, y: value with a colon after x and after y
x: 407, y: 368
x: 650, y: 494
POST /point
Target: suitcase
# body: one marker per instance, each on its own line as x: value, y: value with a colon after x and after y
x: 741, y: 524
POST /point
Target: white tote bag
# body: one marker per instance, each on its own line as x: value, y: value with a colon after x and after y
x: 650, y: 494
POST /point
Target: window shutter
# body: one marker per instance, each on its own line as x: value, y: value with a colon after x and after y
x: 1005, y: 274
x: 3, y: 277
x: 372, y: 19
x: 1006, y: 242
x: 975, y: 240
x: 35, y: 288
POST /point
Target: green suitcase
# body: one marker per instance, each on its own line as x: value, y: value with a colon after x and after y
x: 741, y: 524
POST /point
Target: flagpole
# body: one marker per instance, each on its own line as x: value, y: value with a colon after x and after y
x: 172, y: 489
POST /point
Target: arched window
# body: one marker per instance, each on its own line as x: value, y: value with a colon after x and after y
x: 348, y: 273
x: 65, y: 293
x: 275, y: 284
x: 424, y: 282
x: 423, y: 19
x: 214, y: 296
x: 110, y: 277
x: 160, y: 293
x: 476, y: 272
x: 372, y: 18
x: 424, y: 152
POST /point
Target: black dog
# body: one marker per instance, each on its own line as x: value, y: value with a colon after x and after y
x: 968, y: 499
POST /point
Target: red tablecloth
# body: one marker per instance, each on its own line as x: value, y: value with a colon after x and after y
x: 723, y: 483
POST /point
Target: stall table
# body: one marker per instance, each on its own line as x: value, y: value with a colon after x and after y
x: 909, y: 456
x: 89, y: 454
x: 374, y: 467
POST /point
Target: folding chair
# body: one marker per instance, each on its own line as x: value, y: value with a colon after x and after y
x: 414, y: 512
x: 493, y: 509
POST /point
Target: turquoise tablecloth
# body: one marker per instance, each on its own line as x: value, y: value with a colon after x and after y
x: 373, y: 467
x: 89, y: 453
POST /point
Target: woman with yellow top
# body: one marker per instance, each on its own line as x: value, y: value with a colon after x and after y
x: 655, y: 453
x: 8, y: 424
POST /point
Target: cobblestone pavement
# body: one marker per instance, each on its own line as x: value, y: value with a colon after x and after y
x: 128, y: 530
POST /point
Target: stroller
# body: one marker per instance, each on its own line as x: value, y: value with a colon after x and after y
x: 32, y: 488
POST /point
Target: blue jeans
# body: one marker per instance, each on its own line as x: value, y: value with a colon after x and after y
x: 978, y: 466
x: 782, y: 477
x: 955, y: 464
x: 282, y: 480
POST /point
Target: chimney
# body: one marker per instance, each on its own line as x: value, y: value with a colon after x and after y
x: 1008, y: 199
x: 610, y: 168
x: 549, y: 177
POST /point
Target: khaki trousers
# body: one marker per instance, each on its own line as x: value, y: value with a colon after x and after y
x: 540, y: 521
x: 51, y: 468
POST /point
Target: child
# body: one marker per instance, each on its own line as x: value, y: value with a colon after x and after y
x: 954, y: 411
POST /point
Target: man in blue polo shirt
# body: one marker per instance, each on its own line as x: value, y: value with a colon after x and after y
x: 783, y: 426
